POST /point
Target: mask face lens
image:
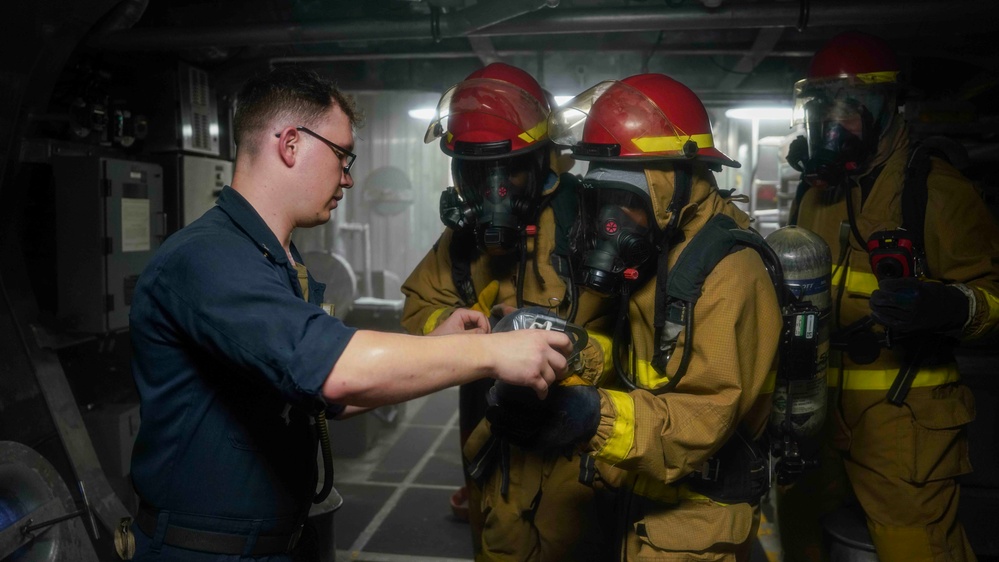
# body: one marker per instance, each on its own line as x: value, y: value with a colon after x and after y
x: 613, y: 235
x: 843, y: 121
x: 496, y: 180
x: 502, y: 195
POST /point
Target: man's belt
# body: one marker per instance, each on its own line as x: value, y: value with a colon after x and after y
x: 215, y: 542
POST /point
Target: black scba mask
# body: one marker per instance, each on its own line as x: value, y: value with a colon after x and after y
x: 843, y: 125
x: 615, y: 237
x: 834, y: 148
x: 496, y: 198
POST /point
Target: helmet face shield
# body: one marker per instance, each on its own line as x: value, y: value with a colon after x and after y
x: 488, y: 118
x: 616, y: 234
x: 843, y: 119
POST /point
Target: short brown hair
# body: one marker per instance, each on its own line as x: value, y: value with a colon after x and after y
x: 301, y: 95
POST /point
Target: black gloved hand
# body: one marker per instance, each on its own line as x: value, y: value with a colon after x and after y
x: 514, y: 412
x: 568, y: 417
x: 907, y: 304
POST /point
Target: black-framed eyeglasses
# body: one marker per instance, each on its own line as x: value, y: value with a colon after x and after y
x: 340, y: 151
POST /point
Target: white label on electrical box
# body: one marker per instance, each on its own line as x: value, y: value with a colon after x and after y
x: 135, y: 228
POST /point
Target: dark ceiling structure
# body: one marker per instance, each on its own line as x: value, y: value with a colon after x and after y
x: 731, y: 52
x: 726, y: 50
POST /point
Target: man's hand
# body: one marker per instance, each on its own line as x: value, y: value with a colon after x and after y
x: 462, y: 321
x: 907, y: 304
x: 532, y: 358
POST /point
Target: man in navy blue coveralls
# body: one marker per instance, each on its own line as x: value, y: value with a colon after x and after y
x: 232, y: 354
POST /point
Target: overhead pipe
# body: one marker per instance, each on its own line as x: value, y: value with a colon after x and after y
x: 741, y: 16
x: 501, y: 18
x: 505, y: 53
x: 461, y: 23
x: 123, y: 16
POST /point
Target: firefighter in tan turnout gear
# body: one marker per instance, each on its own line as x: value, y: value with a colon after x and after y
x: 506, y: 245
x: 671, y: 436
x: 916, y: 269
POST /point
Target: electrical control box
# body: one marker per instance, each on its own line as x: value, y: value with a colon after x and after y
x: 109, y: 220
x: 190, y: 108
x: 191, y: 185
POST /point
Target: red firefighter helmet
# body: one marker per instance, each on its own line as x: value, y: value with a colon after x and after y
x: 852, y: 65
x: 495, y: 112
x: 853, y: 53
x: 643, y: 117
x: 847, y: 102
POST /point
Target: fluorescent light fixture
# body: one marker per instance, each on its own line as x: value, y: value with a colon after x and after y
x: 425, y: 113
x: 559, y: 100
x: 761, y: 113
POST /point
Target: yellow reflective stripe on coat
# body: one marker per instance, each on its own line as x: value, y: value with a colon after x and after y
x: 770, y: 384
x: 431, y: 322
x: 647, y: 377
x: 606, y: 345
x: 665, y: 493
x: 671, y: 143
x: 857, y: 282
x: 882, y: 379
x: 622, y: 436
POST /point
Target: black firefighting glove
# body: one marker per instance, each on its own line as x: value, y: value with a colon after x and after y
x: 567, y: 418
x: 907, y: 304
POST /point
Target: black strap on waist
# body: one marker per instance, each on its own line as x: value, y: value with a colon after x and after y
x: 215, y: 542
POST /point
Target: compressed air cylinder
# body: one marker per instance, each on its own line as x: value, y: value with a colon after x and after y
x: 804, y: 354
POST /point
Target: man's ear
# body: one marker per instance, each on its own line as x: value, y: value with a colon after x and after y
x: 288, y: 146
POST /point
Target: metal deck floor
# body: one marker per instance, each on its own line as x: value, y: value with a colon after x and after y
x: 396, y: 494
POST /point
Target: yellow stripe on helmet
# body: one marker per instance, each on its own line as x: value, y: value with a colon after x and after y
x: 671, y: 143
x: 883, y: 77
x: 534, y: 133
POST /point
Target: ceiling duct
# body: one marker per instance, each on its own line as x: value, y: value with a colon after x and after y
x: 461, y: 23
x: 522, y: 18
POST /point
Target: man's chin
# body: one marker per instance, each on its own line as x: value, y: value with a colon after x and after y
x: 319, y: 220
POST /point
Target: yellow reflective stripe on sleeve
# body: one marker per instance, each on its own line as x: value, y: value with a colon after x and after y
x: 431, y: 322
x: 993, y: 318
x: 622, y: 435
x: 882, y: 77
x: 671, y: 144
x: 882, y: 379
x: 607, y: 345
x: 534, y: 133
